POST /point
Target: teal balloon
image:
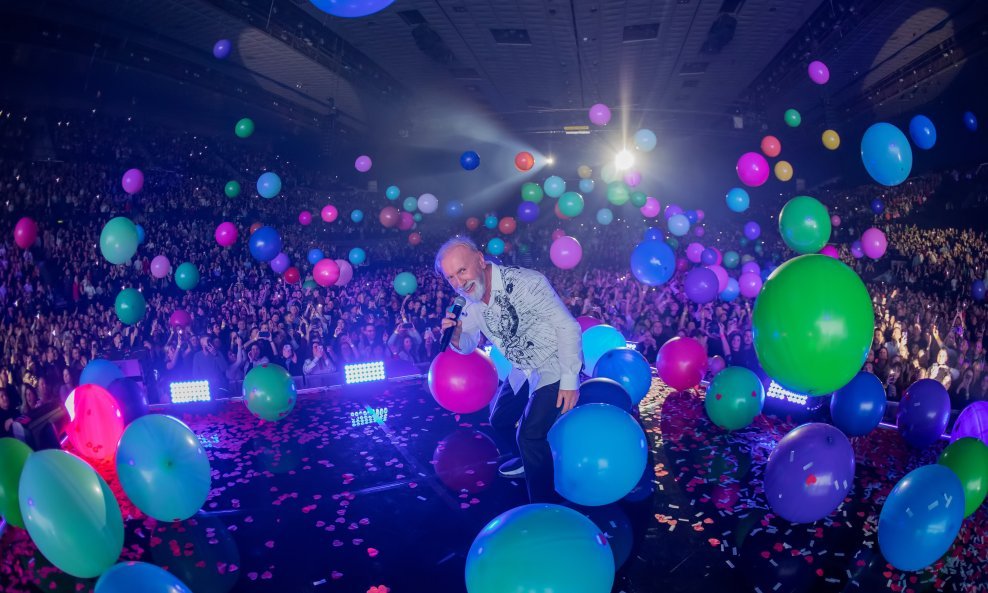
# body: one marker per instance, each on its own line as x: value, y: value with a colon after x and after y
x: 187, y: 276
x: 13, y: 456
x: 645, y: 140
x: 490, y: 221
x: 554, y: 186
x: 599, y: 452
x: 118, y: 240
x: 417, y: 217
x: 639, y: 198
x: 405, y: 283
x: 130, y: 306
x: 410, y: 204
x: 268, y: 185
x: 393, y: 193
x: 886, y: 154
x: 731, y: 259
x: 734, y: 398
x: 540, y: 548
x: 597, y: 340
x: 128, y: 577
x: 571, y: 204
x: 617, y: 193
x: 501, y: 363
x: 163, y: 468
x: 604, y: 216
x: 495, y: 246
x: 738, y: 199
x: 357, y: 256
x: 586, y: 185
x: 357, y: 215
x: 100, y: 372
x: 70, y: 513
x: 269, y: 392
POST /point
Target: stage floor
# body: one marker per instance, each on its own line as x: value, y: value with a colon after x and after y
x: 359, y: 489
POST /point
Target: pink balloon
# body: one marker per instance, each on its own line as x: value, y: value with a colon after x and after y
x: 632, y: 178
x: 586, y: 322
x: 722, y: 277
x: 600, y: 114
x: 132, y: 181
x: 463, y: 383
x: 329, y: 213
x: 830, y: 251
x: 363, y: 163
x: 160, y: 266
x: 818, y: 71
x: 681, y: 363
x: 874, y: 243
x: 694, y: 251
x: 226, y: 234
x: 558, y: 233
x: 25, y: 232
x: 720, y: 256
x: 651, y: 208
x: 346, y: 272
x: 305, y: 218
x: 753, y: 169
x: 326, y: 272
x: 835, y: 220
x: 700, y: 215
x: 750, y: 284
x: 97, y: 423
x: 566, y: 252
x: 179, y: 318
x: 751, y: 267
x: 406, y: 221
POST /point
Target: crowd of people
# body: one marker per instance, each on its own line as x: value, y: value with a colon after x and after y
x: 57, y: 297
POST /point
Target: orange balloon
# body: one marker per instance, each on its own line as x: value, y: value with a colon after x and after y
x: 414, y: 238
x: 771, y: 146
x: 507, y: 225
x: 524, y: 161
x: 254, y: 227
x: 473, y: 223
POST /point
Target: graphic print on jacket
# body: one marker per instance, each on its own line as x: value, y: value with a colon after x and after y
x: 527, y: 339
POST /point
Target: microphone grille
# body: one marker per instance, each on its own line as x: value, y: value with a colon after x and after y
x: 460, y: 301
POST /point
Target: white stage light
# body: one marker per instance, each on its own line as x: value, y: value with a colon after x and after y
x: 624, y: 160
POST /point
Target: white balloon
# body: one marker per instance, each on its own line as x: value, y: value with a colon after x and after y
x: 428, y: 203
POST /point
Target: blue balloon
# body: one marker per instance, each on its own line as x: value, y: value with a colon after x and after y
x: 495, y: 246
x: 490, y: 221
x: 970, y: 121
x: 598, y: 453
x: 738, y: 200
x: 357, y: 256
x: 315, y: 255
x: 604, y: 215
x: 921, y: 517
x: 923, y: 132
x: 140, y: 234
x: 731, y: 292
x: 886, y: 154
x: 454, y: 209
x: 100, y: 372
x: 600, y: 339
x: 127, y: 577
x: 528, y: 211
x: 701, y: 285
x: 691, y: 216
x: 629, y: 368
x: 653, y: 262
x: 708, y: 256
x: 858, y: 407
x: 393, y: 192
x: 924, y: 413
x: 645, y: 140
x: 351, y: 9
x: 653, y: 234
x: 265, y: 244
x: 469, y: 160
x: 602, y: 390
x: 679, y: 224
x: 877, y: 206
x: 978, y: 290
x: 357, y: 215
x: 554, y: 186
x: 268, y: 185
x: 502, y: 364
x: 586, y: 186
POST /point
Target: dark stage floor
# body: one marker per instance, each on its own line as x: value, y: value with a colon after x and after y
x: 321, y: 502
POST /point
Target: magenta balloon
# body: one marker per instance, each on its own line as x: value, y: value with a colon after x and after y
x: 346, y: 272
x: 160, y: 266
x: 558, y: 233
x: 700, y: 215
x: 874, y: 243
x: 600, y: 114
x: 694, y: 251
x: 699, y: 231
x: 329, y: 213
x: 280, y: 263
x: 132, y: 181
x: 751, y: 268
x: 651, y: 208
x: 179, y: 318
x: 226, y: 234
x: 835, y: 220
x: 363, y: 163
x: 566, y: 252
x: 681, y: 363
x: 587, y: 322
x: 722, y: 277
x: 25, y: 232
x: 753, y: 169
x: 305, y: 218
x: 406, y: 221
x: 632, y: 178
x: 326, y: 272
x: 830, y: 251
x: 682, y: 264
x: 750, y: 284
x: 720, y: 256
x: 818, y: 71
x: 462, y: 383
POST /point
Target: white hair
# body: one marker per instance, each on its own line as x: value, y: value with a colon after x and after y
x: 450, y: 244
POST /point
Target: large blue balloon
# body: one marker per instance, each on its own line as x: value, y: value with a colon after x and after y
x: 469, y: 160
x: 921, y: 517
x: 923, y: 132
x: 738, y: 199
x: 629, y: 368
x: 502, y: 364
x: 600, y: 339
x: 100, y: 372
x: 598, y: 452
x: 858, y: 407
x: 268, y: 185
x: 886, y: 154
x: 653, y: 262
x: 127, y: 577
x: 351, y: 9
x: 653, y: 234
x: 315, y: 255
x: 602, y: 390
x: 265, y: 244
x: 923, y: 413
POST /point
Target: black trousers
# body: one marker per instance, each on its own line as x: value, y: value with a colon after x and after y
x: 534, y: 416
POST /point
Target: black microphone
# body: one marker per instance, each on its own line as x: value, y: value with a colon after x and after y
x: 448, y: 334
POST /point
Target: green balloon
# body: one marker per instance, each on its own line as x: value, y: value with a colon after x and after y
x: 731, y: 259
x: 638, y: 198
x: 813, y: 324
x: 617, y: 193
x: 968, y: 457
x: 571, y: 203
x: 70, y: 513
x: 269, y: 392
x: 130, y: 306
x: 672, y: 242
x: 118, y: 240
x: 410, y: 204
x: 309, y: 284
x: 13, y: 454
x: 532, y: 192
x: 734, y: 398
x: 804, y: 224
x: 163, y: 468
x: 793, y: 119
x: 405, y: 283
x: 187, y: 276
x: 232, y: 189
x: 244, y: 128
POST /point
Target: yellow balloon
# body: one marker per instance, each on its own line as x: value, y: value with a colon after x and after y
x: 783, y: 171
x: 831, y: 140
x: 584, y: 172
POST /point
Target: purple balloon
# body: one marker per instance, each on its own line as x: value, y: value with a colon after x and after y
x: 809, y: 473
x: 694, y: 252
x: 857, y: 250
x: 280, y: 263
x: 923, y: 413
x: 528, y: 211
x: 722, y: 277
x: 752, y: 230
x: 222, y: 49
x: 751, y: 284
x: 363, y: 163
x: 818, y: 71
x: 972, y: 422
x: 751, y: 268
x: 700, y: 215
x: 672, y: 210
x: 708, y: 257
x: 699, y: 231
x: 632, y: 178
x: 701, y: 285
x: 133, y: 181
x: 874, y: 243
x: 160, y: 266
x: 600, y: 114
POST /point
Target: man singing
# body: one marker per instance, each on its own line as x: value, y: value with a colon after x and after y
x: 519, y: 312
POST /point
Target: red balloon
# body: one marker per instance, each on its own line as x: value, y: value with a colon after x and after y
x: 388, y: 217
x: 524, y: 161
x: 97, y: 423
x: 681, y: 363
x: 771, y: 146
x: 463, y: 383
x: 414, y: 238
x: 25, y: 232
x: 329, y: 213
x: 326, y: 272
x: 507, y: 225
x: 292, y: 276
x: 472, y: 223
x: 254, y: 227
x: 559, y: 213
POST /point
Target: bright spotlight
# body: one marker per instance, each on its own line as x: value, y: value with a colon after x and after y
x: 550, y: 161
x: 624, y: 160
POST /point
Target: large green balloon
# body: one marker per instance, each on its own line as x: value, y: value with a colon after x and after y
x: 130, y: 306
x: 804, y: 224
x: 118, y: 240
x: 269, y: 392
x: 244, y: 128
x: 13, y: 454
x: 532, y: 192
x: 405, y: 283
x: 968, y: 457
x: 70, y: 513
x: 571, y: 203
x: 187, y: 276
x: 232, y: 189
x: 617, y: 193
x: 813, y: 324
x: 163, y: 468
x: 734, y: 398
